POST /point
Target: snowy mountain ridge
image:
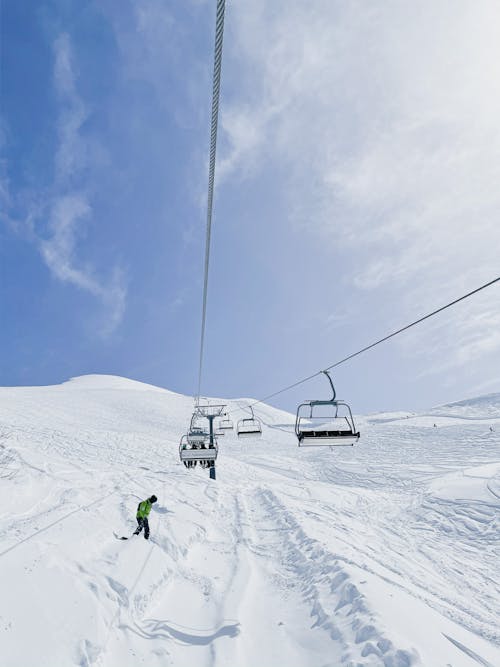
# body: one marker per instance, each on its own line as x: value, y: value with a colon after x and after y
x: 485, y: 407
x: 384, y: 554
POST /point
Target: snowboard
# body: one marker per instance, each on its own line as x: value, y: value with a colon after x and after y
x: 121, y: 537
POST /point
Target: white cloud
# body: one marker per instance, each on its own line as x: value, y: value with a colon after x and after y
x: 58, y: 251
x: 57, y: 219
x: 385, y: 117
x: 71, y: 153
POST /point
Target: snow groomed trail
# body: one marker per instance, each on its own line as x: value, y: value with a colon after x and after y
x: 384, y: 554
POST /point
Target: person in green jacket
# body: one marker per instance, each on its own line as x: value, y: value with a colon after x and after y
x: 143, y: 510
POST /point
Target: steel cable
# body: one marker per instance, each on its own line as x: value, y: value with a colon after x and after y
x: 219, y: 34
x: 368, y: 347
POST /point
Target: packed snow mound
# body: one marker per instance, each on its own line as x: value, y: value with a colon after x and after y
x: 381, y: 555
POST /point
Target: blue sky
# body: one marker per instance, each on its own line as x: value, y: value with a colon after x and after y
x: 356, y: 190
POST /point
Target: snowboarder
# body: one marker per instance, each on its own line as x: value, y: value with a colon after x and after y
x: 143, y: 510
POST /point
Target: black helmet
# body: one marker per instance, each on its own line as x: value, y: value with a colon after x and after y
x: 153, y: 498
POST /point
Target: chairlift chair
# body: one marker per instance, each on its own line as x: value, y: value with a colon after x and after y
x: 249, y: 426
x: 199, y: 445
x: 197, y: 435
x: 203, y: 453
x: 334, y: 429
x: 225, y: 424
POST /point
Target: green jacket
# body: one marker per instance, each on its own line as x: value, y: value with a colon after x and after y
x: 144, y: 509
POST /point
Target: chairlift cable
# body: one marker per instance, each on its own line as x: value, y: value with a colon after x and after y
x: 219, y: 34
x: 369, y: 347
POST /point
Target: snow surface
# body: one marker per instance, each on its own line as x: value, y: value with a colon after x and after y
x: 383, y: 554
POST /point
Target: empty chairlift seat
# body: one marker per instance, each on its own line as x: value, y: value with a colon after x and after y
x: 325, y: 422
x: 225, y: 424
x: 249, y: 427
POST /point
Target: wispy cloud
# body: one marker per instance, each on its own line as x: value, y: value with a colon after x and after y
x: 67, y: 216
x: 59, y: 218
x: 71, y: 153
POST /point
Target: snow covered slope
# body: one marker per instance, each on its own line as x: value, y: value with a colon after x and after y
x: 483, y: 409
x: 384, y: 554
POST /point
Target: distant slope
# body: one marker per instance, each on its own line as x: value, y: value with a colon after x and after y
x: 480, y: 407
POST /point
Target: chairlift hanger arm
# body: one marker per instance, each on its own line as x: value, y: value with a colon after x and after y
x: 334, y: 393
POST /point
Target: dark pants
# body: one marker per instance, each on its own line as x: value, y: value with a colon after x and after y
x: 142, y: 523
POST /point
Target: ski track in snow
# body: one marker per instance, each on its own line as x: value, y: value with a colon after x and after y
x: 385, y: 554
